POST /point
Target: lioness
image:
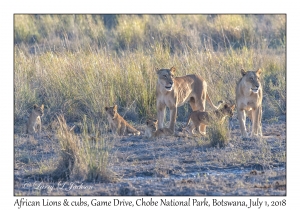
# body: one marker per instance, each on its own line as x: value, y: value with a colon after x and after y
x: 117, y: 123
x: 173, y: 92
x: 205, y: 118
x: 249, y: 101
x: 152, y: 131
x: 34, y: 122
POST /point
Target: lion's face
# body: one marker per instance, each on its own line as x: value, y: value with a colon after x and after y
x: 252, y: 79
x: 112, y: 111
x: 228, y: 110
x: 166, y: 78
x: 38, y: 110
x: 152, y: 125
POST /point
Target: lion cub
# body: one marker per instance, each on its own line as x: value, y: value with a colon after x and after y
x: 152, y: 131
x: 34, y: 122
x: 205, y: 118
x: 117, y: 123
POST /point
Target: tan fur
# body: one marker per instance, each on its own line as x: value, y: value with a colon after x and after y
x: 118, y: 124
x: 152, y: 131
x: 249, y: 94
x: 34, y: 123
x: 204, y: 119
x: 173, y: 92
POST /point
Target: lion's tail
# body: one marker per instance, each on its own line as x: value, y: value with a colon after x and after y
x: 131, y: 129
x: 210, y: 102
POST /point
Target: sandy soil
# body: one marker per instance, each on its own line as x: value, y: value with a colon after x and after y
x: 182, y: 166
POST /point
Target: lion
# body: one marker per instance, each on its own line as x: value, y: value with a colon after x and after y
x: 152, y: 131
x: 117, y: 123
x: 206, y: 118
x: 249, y: 94
x: 34, y: 123
x: 173, y: 92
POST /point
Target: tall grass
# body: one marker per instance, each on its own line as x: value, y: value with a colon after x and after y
x: 81, y: 157
x: 79, y: 64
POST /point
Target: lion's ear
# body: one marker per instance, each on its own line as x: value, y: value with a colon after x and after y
x: 225, y: 106
x: 156, y: 69
x: 172, y: 69
x: 35, y: 106
x: 155, y: 121
x: 42, y: 107
x: 233, y: 106
x: 115, y: 107
x: 258, y: 72
x: 243, y: 72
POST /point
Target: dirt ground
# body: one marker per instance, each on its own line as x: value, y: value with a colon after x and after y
x: 181, y: 166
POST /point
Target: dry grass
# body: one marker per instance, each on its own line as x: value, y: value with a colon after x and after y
x: 78, y: 64
x: 81, y: 157
x: 218, y: 134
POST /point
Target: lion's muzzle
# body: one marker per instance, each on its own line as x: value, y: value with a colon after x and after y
x: 255, y: 90
x: 169, y: 87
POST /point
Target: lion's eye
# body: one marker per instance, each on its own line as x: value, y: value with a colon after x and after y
x: 251, y: 78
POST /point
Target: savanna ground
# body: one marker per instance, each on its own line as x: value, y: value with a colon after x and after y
x: 77, y: 64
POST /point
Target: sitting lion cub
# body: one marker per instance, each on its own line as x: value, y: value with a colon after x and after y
x: 117, y: 123
x: 152, y: 131
x: 34, y: 122
x: 205, y: 118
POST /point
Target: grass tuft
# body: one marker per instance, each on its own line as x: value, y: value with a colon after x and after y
x: 218, y: 134
x: 82, y: 157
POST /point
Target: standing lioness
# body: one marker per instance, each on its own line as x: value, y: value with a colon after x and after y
x: 173, y: 92
x: 249, y: 101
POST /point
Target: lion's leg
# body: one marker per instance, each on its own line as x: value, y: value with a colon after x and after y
x: 193, y: 104
x: 192, y: 130
x: 255, y: 117
x: 255, y: 122
x: 203, y: 129
x: 249, y: 115
x: 38, y: 128
x: 124, y: 130
x: 161, y: 109
x: 30, y: 130
x: 242, y: 121
x: 39, y: 125
x: 259, y: 122
x: 194, y: 108
x: 200, y: 104
x: 195, y: 130
x: 173, y: 114
x: 189, y: 127
x: 112, y: 127
x: 119, y: 129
